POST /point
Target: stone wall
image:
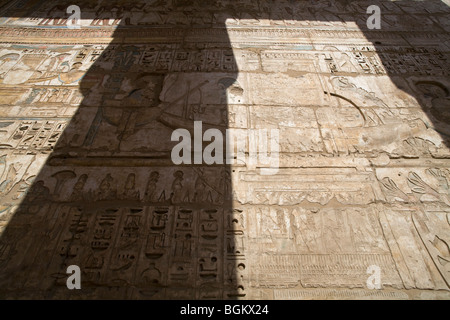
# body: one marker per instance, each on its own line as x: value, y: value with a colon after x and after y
x: 87, y: 177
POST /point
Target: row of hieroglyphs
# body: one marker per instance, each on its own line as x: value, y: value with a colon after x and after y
x: 174, y: 185
x: 64, y: 65
x: 161, y: 185
x: 255, y: 13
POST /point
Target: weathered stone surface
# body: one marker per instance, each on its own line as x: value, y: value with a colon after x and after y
x: 87, y: 177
